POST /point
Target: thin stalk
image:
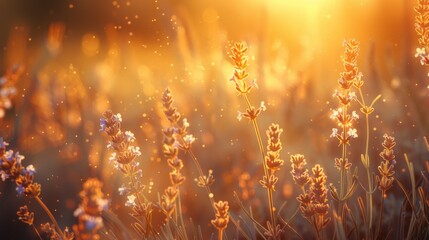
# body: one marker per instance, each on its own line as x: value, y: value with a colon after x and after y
x: 220, y: 234
x: 200, y: 173
x: 258, y: 136
x: 209, y: 192
x: 179, y: 202
x: 48, y: 212
x: 342, y: 170
x: 381, y: 213
x: 344, y: 155
x: 368, y: 172
x: 315, y: 227
x: 266, y: 172
x: 37, y: 232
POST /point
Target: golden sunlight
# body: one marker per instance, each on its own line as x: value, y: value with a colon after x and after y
x: 215, y: 119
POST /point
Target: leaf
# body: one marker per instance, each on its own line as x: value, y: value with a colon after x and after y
x: 333, y: 193
x: 364, y: 161
x: 339, y: 230
x: 375, y: 100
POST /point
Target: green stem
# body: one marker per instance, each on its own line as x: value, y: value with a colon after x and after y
x: 266, y: 172
x: 48, y: 212
x: 368, y: 170
x: 342, y: 170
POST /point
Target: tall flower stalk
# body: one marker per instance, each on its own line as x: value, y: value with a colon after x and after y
x: 342, y: 116
x: 422, y: 30
x: 386, y: 169
x: 238, y: 54
x: 222, y: 217
x: 90, y: 210
x: 176, y: 138
x: 123, y: 159
x: 314, y: 201
x: 366, y: 110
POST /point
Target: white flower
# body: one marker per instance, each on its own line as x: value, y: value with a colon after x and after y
x: 189, y: 139
x: 116, y: 165
x: 19, y: 157
x: 336, y: 93
x: 255, y: 84
x: 335, y: 113
x: 139, y: 173
x: 352, y: 96
x: 355, y: 115
x: 117, y: 117
x: 129, y: 136
x: 8, y: 155
x: 352, y: 132
x: 185, y: 123
x: 135, y: 164
x: 78, y: 211
x: 3, y: 175
x: 262, y: 106
x: 334, y: 132
x: 135, y: 150
x: 419, y: 52
x: 131, y: 202
x: 122, y: 190
x: 112, y: 157
x: 239, y: 116
x: 359, y: 76
x: 103, y: 204
x: 30, y: 169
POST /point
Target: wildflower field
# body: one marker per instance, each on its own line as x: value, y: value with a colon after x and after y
x: 257, y: 119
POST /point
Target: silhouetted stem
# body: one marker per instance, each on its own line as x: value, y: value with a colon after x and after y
x: 48, y: 212
x: 37, y: 232
x: 380, y: 219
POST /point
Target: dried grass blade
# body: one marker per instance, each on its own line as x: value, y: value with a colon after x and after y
x: 291, y: 228
x: 250, y: 215
x: 238, y: 227
x: 406, y: 195
x: 362, y: 210
x: 339, y: 230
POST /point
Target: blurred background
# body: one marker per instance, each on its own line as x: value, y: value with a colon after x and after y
x: 71, y: 60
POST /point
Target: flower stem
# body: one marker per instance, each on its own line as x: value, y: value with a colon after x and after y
x: 380, y: 219
x: 266, y: 172
x: 220, y: 234
x: 37, y: 232
x: 368, y: 170
x: 342, y: 170
x: 48, y: 212
x: 200, y: 171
